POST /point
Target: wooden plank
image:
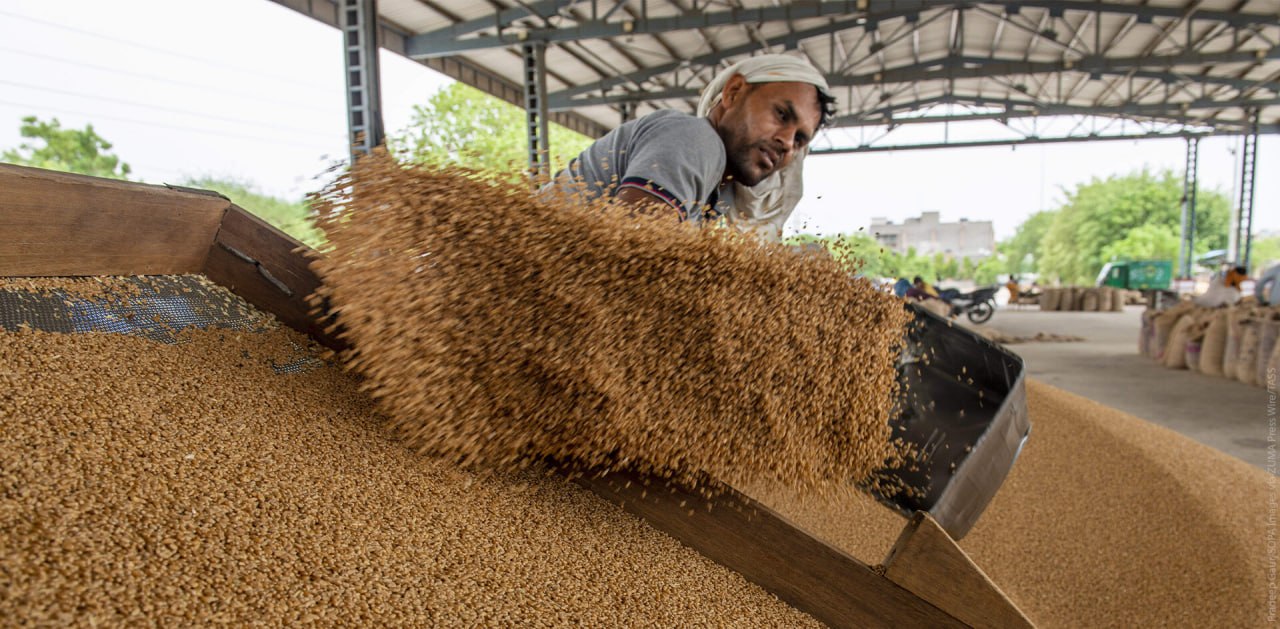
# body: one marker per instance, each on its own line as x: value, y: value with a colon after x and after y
x: 926, y: 561
x: 55, y: 223
x: 269, y: 269
x: 749, y: 538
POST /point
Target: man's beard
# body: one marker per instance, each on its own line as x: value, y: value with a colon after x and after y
x: 743, y: 166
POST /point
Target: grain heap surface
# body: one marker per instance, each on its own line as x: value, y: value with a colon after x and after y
x: 190, y: 484
x: 1105, y: 521
x: 496, y: 327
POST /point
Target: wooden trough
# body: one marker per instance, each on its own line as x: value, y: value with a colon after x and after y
x: 57, y: 224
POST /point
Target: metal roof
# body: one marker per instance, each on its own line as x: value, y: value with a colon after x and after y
x: 1172, y: 65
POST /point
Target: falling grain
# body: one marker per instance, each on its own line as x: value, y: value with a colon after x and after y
x: 496, y: 328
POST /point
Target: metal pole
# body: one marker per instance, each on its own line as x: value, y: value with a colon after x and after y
x: 535, y: 107
x: 359, y: 25
x: 1248, y: 168
x: 1187, y: 248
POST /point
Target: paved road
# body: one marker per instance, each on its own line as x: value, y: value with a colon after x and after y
x: 1106, y: 367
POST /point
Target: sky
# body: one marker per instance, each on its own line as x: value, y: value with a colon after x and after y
x: 250, y: 90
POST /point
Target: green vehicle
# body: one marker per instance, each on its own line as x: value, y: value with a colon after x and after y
x: 1140, y: 275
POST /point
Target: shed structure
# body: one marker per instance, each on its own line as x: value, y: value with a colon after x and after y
x: 1113, y: 69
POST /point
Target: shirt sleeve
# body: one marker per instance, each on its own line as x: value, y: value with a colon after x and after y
x: 679, y: 159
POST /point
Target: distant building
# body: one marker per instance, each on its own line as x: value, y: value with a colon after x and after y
x: 928, y: 235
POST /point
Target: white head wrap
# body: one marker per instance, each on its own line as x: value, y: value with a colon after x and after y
x: 765, y: 207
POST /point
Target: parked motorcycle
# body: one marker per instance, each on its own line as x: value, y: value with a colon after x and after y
x: 978, y: 305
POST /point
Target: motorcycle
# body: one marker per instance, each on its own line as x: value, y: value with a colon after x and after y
x: 978, y: 305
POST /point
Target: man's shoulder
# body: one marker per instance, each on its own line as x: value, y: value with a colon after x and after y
x: 666, y: 121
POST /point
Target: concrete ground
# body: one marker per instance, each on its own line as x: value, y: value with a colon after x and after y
x: 1107, y: 368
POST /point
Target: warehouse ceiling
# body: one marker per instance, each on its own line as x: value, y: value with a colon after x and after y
x: 1153, y: 68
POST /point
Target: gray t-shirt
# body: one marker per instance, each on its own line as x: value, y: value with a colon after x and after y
x: 674, y: 155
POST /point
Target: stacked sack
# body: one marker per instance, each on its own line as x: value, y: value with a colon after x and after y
x: 1084, y: 299
x: 1240, y: 342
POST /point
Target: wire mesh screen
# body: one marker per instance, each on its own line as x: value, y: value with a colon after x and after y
x: 156, y: 307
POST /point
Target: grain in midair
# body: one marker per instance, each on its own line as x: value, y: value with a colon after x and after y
x: 497, y: 327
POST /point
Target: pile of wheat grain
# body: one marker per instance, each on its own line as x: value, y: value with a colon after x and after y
x: 1105, y: 521
x: 191, y: 484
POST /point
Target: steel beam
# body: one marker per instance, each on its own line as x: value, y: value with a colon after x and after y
x: 1243, y: 223
x: 1010, y: 142
x: 535, y: 99
x: 392, y: 37
x: 505, y: 18
x: 1140, y: 109
x: 562, y: 98
x: 443, y: 43
x: 955, y: 68
x: 1190, y: 182
x: 359, y: 25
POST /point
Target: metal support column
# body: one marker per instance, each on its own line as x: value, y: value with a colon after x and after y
x: 1243, y: 227
x: 1187, y: 250
x: 359, y: 25
x: 535, y: 107
x: 627, y: 111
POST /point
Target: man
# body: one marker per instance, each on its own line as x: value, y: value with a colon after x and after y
x: 1014, y: 289
x: 740, y: 158
x: 921, y: 289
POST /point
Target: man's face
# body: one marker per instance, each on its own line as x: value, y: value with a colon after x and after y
x: 765, y: 125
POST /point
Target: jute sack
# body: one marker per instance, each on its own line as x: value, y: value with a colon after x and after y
x: 1148, y: 332
x: 1089, y: 303
x: 1164, y: 327
x: 1077, y: 298
x: 1118, y: 297
x: 1104, y: 299
x: 1267, y: 336
x: 1235, y: 316
x: 1193, y: 355
x: 1195, y: 338
x: 1049, y: 299
x: 1214, y: 343
x: 1273, y: 368
x: 1246, y: 367
x: 1175, y: 352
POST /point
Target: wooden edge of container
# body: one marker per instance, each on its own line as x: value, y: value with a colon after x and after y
x: 63, y: 224
x: 269, y: 269
x: 751, y: 539
x: 926, y: 561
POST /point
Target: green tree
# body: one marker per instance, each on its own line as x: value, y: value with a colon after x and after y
x: 461, y: 125
x: 1097, y: 216
x: 1022, y: 250
x: 1266, y: 252
x: 291, y: 217
x: 69, y: 150
x: 1145, y: 242
x: 989, y: 269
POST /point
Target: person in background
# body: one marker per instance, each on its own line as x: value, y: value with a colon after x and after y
x: 901, y: 287
x: 1268, y: 288
x: 1012, y: 285
x: 921, y: 289
x: 1235, y: 276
